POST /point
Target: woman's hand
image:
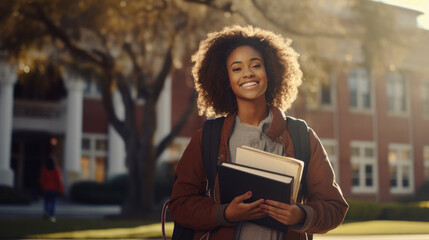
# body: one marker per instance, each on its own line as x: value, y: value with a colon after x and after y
x: 288, y: 214
x: 237, y: 210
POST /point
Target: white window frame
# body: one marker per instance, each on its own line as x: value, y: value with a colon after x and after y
x: 395, y: 78
x: 92, y: 153
x: 333, y: 158
x: 425, y: 160
x: 425, y: 97
x: 362, y: 161
x: 360, y: 83
x: 93, y: 90
x: 400, y: 163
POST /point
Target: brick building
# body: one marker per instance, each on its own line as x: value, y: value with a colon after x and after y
x: 373, y: 123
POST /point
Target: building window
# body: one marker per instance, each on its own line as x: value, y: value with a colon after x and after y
x: 92, y: 90
x: 94, y: 160
x: 426, y: 162
x: 322, y: 97
x: 330, y: 146
x: 364, y: 167
x: 425, y: 97
x: 359, y: 89
x: 396, y: 93
x: 326, y: 93
x: 400, y: 168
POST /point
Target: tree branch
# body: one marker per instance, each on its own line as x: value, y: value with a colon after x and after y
x: 143, y: 87
x: 60, y: 34
x: 162, y: 75
x: 126, y: 99
x: 109, y: 108
x: 178, y: 127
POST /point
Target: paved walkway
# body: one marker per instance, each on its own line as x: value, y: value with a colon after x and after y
x: 65, y: 209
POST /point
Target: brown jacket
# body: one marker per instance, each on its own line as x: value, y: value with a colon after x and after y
x: 324, y: 206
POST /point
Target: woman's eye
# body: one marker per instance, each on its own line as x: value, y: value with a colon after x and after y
x: 257, y: 66
x: 236, y: 69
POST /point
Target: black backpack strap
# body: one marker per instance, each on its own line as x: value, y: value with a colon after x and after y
x: 298, y: 130
x: 210, y: 147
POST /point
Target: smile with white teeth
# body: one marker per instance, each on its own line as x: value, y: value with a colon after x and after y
x: 248, y: 84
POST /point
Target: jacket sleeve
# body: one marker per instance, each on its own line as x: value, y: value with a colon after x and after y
x: 325, y: 206
x: 188, y: 205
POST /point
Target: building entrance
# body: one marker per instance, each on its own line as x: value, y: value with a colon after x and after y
x: 29, y: 151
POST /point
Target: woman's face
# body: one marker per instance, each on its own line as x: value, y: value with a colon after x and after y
x: 247, y: 76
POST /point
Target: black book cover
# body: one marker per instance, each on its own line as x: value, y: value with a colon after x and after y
x: 233, y: 182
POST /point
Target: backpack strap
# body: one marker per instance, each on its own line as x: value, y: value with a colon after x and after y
x: 298, y: 130
x: 210, y: 147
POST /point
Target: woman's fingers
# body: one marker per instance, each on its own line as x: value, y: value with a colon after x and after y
x: 237, y: 210
x: 284, y: 213
x: 243, y: 197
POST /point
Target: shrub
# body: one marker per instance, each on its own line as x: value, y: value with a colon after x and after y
x: 410, y: 212
x: 369, y: 210
x: 9, y: 195
x: 363, y: 210
x: 112, y: 191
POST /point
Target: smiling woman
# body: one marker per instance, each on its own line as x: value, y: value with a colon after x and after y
x: 211, y: 71
x: 251, y: 76
x: 247, y: 78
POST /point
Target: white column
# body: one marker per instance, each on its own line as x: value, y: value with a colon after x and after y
x: 163, y: 127
x: 73, y: 137
x: 116, y: 158
x: 7, y: 81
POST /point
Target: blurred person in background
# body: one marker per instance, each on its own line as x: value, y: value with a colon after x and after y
x: 51, y: 183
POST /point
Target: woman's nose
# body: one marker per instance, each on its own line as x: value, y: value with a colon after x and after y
x: 248, y: 73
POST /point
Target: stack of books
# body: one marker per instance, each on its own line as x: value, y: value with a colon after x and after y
x: 267, y: 175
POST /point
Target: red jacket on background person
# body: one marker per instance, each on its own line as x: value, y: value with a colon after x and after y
x: 51, y: 180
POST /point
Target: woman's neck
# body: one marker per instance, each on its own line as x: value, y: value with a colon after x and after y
x: 251, y: 113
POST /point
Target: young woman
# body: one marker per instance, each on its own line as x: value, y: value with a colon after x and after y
x: 251, y: 76
x: 51, y: 183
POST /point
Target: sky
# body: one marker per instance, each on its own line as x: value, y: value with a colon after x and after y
x: 419, y: 5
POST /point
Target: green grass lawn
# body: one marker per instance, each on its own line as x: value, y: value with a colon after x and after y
x: 381, y: 228
x: 114, y: 229
x: 24, y: 228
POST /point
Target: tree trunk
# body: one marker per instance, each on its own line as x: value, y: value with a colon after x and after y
x: 133, y: 201
x: 141, y: 160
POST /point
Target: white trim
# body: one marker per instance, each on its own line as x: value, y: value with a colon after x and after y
x: 396, y: 112
x: 359, y: 92
x: 93, y: 90
x: 362, y: 161
x: 400, y: 163
x: 163, y: 115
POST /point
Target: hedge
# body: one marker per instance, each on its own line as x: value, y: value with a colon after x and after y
x: 112, y: 191
x: 369, y: 210
x: 9, y: 195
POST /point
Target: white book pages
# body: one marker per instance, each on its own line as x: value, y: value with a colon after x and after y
x: 256, y: 158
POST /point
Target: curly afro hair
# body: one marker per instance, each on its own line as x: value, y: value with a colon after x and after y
x: 215, y: 97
